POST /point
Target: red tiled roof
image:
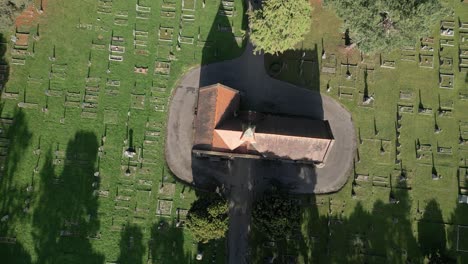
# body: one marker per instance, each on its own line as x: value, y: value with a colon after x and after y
x: 215, y: 103
x: 272, y: 136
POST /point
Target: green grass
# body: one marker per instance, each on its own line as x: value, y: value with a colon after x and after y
x: 53, y: 156
x: 368, y: 227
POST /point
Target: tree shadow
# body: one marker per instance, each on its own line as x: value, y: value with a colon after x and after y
x: 167, y: 243
x: 298, y: 66
x: 4, y: 67
x: 131, y: 245
x: 432, y: 234
x: 457, y: 244
x: 65, y: 216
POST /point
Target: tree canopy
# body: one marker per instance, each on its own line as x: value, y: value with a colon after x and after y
x: 9, y: 9
x: 383, y: 25
x: 276, y: 215
x: 207, y: 219
x: 279, y: 25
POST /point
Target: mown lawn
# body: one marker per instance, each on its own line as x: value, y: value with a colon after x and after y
x: 68, y: 193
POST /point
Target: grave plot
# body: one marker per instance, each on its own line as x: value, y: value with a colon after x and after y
x: 3, y: 73
x: 121, y: 21
x: 446, y: 64
x: 140, y: 42
x: 463, y: 56
x: 387, y: 62
x: 143, y: 11
x: 58, y: 71
x: 164, y: 208
x: 445, y: 108
x: 152, y: 137
x: 463, y: 131
x: 187, y: 19
x: 365, y: 99
x: 463, y: 96
x: 143, y: 203
x: 10, y: 95
x: 349, y: 72
x: 54, y: 89
x: 144, y: 184
x: 121, y: 13
x: 308, y: 69
x: 130, y: 161
x: 111, y: 117
x: 72, y: 99
x: 162, y: 67
x: 380, y: 181
x: 329, y: 64
x: 368, y: 75
x: 202, y: 39
x: 20, y: 48
x: 447, y: 28
x: 98, y: 44
x: 463, y: 39
x: 424, y: 110
x: 166, y: 34
x: 149, y: 155
x: 446, y: 43
x: 427, y: 44
x: 168, y: 13
x: 137, y: 101
x: 423, y: 152
x: 187, y: 34
x: 401, y: 179
x: 408, y: 54
x: 104, y: 7
x: 112, y: 87
x: 225, y: 27
x: 444, y: 150
x: 5, y: 124
x: 426, y: 61
x: 25, y: 103
x: 361, y: 180
x: 462, y: 238
x: 181, y: 216
x: 21, y: 41
x: 118, y: 223
x: 463, y: 180
x: 446, y: 81
x: 406, y: 95
x: 140, y: 69
x: 228, y: 8
x: 116, y: 48
x: 463, y: 26
x: 90, y: 101
x: 167, y: 190
x: 7, y: 240
x: 346, y: 93
x: 189, y: 5
x: 164, y: 52
x: 382, y: 150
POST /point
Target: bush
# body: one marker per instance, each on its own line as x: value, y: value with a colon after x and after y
x: 207, y: 219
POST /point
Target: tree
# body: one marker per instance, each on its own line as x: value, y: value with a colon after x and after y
x: 279, y: 25
x: 207, y: 219
x: 276, y: 215
x: 385, y: 25
x: 9, y: 9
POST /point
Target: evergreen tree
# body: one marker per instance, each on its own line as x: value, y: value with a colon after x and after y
x: 385, y: 25
x: 207, y: 219
x: 276, y: 215
x: 279, y: 25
